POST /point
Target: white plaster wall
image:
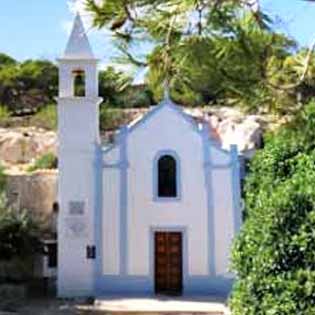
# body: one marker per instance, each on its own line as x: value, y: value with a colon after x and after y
x: 111, y: 156
x: 78, y: 124
x: 220, y: 157
x: 166, y: 130
x: 223, y: 216
x: 78, y: 140
x: 110, y: 221
x: 76, y: 183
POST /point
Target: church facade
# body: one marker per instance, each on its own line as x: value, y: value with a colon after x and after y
x: 154, y: 212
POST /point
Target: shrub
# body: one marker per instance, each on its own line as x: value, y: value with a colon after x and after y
x: 2, y: 179
x: 20, y: 242
x: 274, y: 256
x: 46, y: 118
x: 110, y: 118
x: 46, y: 161
x: 4, y: 115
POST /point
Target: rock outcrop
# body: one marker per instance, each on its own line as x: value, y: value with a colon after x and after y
x: 230, y: 126
x: 233, y: 127
x: 23, y: 145
x: 36, y: 192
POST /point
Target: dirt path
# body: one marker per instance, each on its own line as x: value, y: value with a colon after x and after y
x: 43, y: 307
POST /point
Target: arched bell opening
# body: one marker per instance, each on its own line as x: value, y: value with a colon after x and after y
x: 79, y: 83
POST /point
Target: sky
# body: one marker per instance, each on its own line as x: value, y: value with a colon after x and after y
x: 32, y: 29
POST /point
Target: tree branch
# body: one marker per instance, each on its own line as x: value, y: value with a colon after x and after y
x: 303, y: 75
x: 133, y: 60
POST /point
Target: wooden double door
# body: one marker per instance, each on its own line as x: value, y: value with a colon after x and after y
x: 168, y: 263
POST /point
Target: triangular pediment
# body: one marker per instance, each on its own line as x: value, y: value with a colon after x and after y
x: 166, y: 104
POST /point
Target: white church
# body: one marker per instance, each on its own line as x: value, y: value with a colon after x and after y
x: 153, y: 213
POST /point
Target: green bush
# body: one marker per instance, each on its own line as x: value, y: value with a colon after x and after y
x: 4, y: 115
x: 110, y: 118
x: 2, y: 179
x: 46, y: 118
x: 274, y: 256
x: 47, y: 161
x: 27, y: 85
x: 20, y: 242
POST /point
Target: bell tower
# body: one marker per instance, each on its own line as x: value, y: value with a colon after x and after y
x: 78, y: 59
x: 79, y: 147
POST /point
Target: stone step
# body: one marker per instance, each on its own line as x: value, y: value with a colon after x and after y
x: 106, y: 312
x: 156, y: 306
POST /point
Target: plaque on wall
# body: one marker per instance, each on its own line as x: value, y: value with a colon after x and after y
x: 77, y: 227
x: 76, y: 207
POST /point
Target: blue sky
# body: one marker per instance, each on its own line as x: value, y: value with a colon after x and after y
x: 38, y: 28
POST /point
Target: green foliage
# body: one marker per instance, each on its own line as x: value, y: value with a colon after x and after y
x: 6, y: 60
x: 20, y: 241
x: 110, y: 118
x: 46, y: 161
x: 4, y: 115
x: 274, y: 254
x: 112, y: 85
x: 117, y: 90
x: 18, y: 232
x: 215, y: 69
x: 211, y: 52
x: 46, y: 117
x: 25, y: 86
x: 138, y: 97
x: 2, y: 179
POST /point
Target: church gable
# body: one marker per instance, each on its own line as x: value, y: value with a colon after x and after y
x: 168, y: 121
x: 165, y: 115
x: 165, y: 121
x: 169, y: 127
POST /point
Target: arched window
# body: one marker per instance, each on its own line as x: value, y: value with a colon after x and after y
x: 79, y: 83
x: 167, y: 176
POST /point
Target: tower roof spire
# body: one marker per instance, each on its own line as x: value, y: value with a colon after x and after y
x: 78, y: 46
